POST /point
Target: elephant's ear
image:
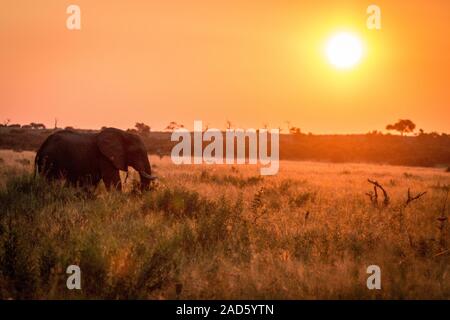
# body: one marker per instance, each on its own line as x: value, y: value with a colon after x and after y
x: 111, y: 145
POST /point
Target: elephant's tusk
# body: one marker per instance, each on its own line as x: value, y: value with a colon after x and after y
x: 147, y: 176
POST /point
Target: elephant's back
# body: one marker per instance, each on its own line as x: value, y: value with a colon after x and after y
x: 68, y: 151
x: 68, y: 141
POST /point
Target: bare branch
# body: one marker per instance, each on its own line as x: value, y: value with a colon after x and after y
x: 412, y: 198
x: 374, y: 196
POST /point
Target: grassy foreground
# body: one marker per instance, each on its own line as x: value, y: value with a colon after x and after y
x: 224, y: 232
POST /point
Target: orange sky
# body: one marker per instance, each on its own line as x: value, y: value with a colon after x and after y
x: 252, y: 62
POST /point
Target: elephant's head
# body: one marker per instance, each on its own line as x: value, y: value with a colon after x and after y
x: 125, y: 149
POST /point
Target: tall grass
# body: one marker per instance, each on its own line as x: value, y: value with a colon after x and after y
x: 219, y: 232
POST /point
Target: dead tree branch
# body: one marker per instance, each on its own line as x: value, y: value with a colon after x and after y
x: 374, y: 196
x: 413, y: 198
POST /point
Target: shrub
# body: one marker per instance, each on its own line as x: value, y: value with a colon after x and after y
x: 178, y: 203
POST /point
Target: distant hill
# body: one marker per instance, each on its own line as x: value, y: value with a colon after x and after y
x: 423, y: 150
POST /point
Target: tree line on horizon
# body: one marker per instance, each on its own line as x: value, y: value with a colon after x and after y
x: 402, y: 126
x: 423, y: 149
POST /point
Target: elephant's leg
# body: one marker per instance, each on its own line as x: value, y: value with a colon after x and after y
x: 112, y: 180
x: 87, y: 183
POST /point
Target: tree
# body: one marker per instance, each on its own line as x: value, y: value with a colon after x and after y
x: 295, y: 130
x: 173, y: 126
x: 35, y: 125
x: 142, y: 128
x: 402, y: 126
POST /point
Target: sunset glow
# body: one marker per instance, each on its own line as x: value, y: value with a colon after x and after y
x: 344, y: 50
x: 251, y: 62
x: 214, y: 154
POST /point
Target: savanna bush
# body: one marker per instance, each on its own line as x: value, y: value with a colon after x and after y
x: 229, y: 179
x: 307, y: 234
x: 127, y: 246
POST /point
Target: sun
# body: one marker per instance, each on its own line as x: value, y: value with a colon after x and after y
x: 344, y: 50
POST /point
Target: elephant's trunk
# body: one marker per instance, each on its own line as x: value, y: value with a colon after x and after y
x: 146, y: 179
x: 146, y: 176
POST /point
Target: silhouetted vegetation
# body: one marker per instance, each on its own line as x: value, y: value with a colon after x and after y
x: 426, y: 149
x: 173, y: 125
x: 402, y: 126
x: 142, y: 128
x: 295, y: 130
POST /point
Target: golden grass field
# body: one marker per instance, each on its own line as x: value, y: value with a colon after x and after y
x: 225, y: 232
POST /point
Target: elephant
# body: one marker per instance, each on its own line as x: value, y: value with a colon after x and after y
x: 83, y: 159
